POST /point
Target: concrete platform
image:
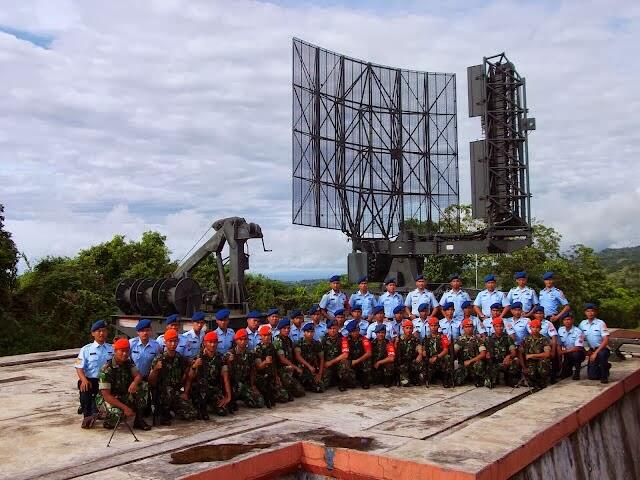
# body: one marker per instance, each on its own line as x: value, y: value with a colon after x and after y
x: 415, y: 432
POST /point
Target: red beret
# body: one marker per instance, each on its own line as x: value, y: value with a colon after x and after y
x: 170, y: 335
x: 264, y: 330
x: 467, y: 322
x: 211, y: 337
x: 497, y: 321
x: 535, y: 323
x: 407, y: 323
x: 121, y: 344
x: 434, y: 321
x: 240, y: 334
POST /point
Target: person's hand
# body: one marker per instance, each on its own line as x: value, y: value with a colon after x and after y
x: 553, y: 318
x: 158, y: 366
x: 184, y: 396
x: 467, y: 363
x: 133, y: 388
x: 507, y: 361
x: 255, y: 390
x: 197, y: 363
x: 433, y: 359
x: 268, y: 360
x: 317, y: 377
x: 224, y: 401
x: 310, y: 368
x: 376, y: 365
x: 128, y: 411
x: 525, y: 370
x: 592, y: 357
x: 85, y: 385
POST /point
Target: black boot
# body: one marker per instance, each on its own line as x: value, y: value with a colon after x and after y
x: 576, y: 373
x: 140, y: 424
x: 202, y: 412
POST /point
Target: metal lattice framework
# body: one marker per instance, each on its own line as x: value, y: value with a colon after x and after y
x: 373, y: 146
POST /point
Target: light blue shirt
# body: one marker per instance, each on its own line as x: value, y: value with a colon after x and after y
x: 366, y: 300
x: 363, y: 326
x: 552, y: 299
x: 546, y: 329
x: 389, y: 302
x: 192, y: 343
x: 143, y: 355
x: 570, y: 338
x: 527, y: 296
x: 594, y: 332
x: 92, y: 357
x: 371, y: 334
x: 457, y: 298
x: 487, y: 325
x: 295, y: 333
x: 415, y: 298
x: 319, y: 330
x: 450, y: 328
x: 182, y: 343
x: 332, y: 301
x: 422, y: 327
x: 225, y: 340
x: 518, y: 328
x: 253, y: 339
x: 485, y: 299
x: 396, y: 328
x: 478, y: 326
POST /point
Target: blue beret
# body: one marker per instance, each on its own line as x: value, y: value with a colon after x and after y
x: 197, y: 316
x: 313, y: 309
x: 335, y: 278
x: 363, y: 278
x: 381, y: 327
x: 588, y: 306
x: 489, y: 278
x: 390, y: 280
x: 448, y: 305
x: 254, y: 314
x: 356, y: 307
x: 377, y: 309
x: 516, y: 305
x: 222, y: 314
x: 273, y: 311
x: 454, y: 277
x: 422, y: 307
x: 466, y: 304
x: 296, y: 313
x: 308, y: 326
x: 331, y: 323
x: 350, y: 326
x: 284, y: 322
x: 547, y: 276
x: 522, y: 274
x: 539, y: 308
x: 171, y: 319
x: 398, y: 309
x: 497, y: 305
x: 339, y: 311
x: 419, y: 277
x: 98, y: 325
x: 142, y: 324
x: 566, y: 314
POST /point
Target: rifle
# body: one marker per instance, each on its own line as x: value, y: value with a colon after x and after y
x: 116, y: 427
x: 155, y: 400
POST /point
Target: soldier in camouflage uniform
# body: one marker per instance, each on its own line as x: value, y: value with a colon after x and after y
x: 267, y: 378
x: 310, y: 358
x: 288, y: 371
x: 471, y: 353
x: 208, y: 380
x: 536, y: 351
x: 359, y: 354
x: 243, y: 373
x: 383, y: 356
x: 409, y: 357
x: 168, y: 374
x: 336, y: 356
x: 122, y: 391
x: 501, y: 357
x: 437, y: 359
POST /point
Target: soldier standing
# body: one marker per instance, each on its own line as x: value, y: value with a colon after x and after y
x: 267, y: 378
x: 319, y: 325
x: 421, y: 323
x: 409, y: 356
x: 378, y: 319
x: 487, y: 298
x: 454, y: 296
x: 143, y: 348
x: 523, y: 294
x: 419, y: 296
x: 122, y: 391
x: 273, y: 317
x: 167, y: 377
x: 449, y: 325
x: 335, y: 348
x: 253, y: 322
x: 437, y: 360
x: 571, y: 344
x: 333, y: 299
x: 552, y: 300
x: 390, y: 299
x: 536, y: 350
x: 517, y: 326
x: 502, y: 357
x: 359, y: 354
x: 596, y: 336
x: 471, y: 355
x: 383, y: 356
x: 242, y: 371
x: 478, y: 325
x: 310, y: 358
x: 172, y: 322
x: 364, y: 298
x: 363, y: 323
x: 224, y: 333
x: 286, y: 368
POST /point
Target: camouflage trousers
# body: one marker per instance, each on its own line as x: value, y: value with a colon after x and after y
x: 271, y: 392
x: 441, y: 368
x: 510, y: 373
x: 410, y: 372
x: 309, y: 382
x: 171, y: 400
x: 338, y: 374
x: 290, y: 383
x: 251, y: 398
x: 361, y: 373
x: 206, y: 396
x: 137, y: 401
x: 474, y: 373
x: 384, y: 375
x: 539, y: 370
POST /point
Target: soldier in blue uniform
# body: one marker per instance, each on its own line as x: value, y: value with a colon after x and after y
x: 571, y: 343
x: 478, y: 325
x: 253, y: 336
x: 395, y: 324
x: 421, y: 324
x: 356, y: 314
x: 144, y: 348
x: 390, y: 299
x: 552, y: 299
x: 449, y: 325
x: 364, y: 298
x: 419, y: 296
x: 273, y: 317
x: 225, y: 334
x: 172, y: 322
x: 523, y: 294
x: 193, y: 338
x: 88, y: 364
x: 319, y: 325
x: 456, y: 296
x: 334, y: 299
x: 378, y: 319
x: 487, y: 323
x: 517, y: 327
x: 487, y: 298
x: 596, y: 336
x: 295, y: 331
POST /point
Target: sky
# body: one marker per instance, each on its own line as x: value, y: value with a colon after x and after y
x: 121, y: 117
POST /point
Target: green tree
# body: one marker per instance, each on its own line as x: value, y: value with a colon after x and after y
x: 8, y: 263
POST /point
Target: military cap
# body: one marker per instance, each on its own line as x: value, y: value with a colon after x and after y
x: 590, y: 306
x: 171, y: 335
x: 407, y: 323
x: 314, y: 309
x: 448, y: 306
x: 419, y: 277
x: 296, y: 313
x: 331, y: 323
x: 434, y: 321
x: 516, y: 305
x: 422, y: 307
x: 172, y: 319
x: 362, y: 279
x: 496, y: 306
x: 283, y: 323
x: 264, y: 330
x: 377, y: 309
x: 97, y: 325
x: 121, y: 344
x: 381, y: 327
x: 535, y: 323
x: 466, y: 304
x: 547, y: 276
x: 350, y: 326
x: 273, y: 311
x: 254, y: 314
x: 223, y: 314
x: 521, y: 274
x: 240, y: 334
x: 566, y: 314
x: 455, y: 276
x: 307, y: 327
x: 398, y: 309
x: 198, y: 316
x: 390, y: 280
x: 339, y: 311
x: 539, y: 308
x: 213, y: 336
x: 497, y: 321
x: 489, y: 278
x: 142, y: 324
x: 467, y: 322
x: 335, y: 278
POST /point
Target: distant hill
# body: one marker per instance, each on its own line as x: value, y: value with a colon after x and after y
x: 615, y: 259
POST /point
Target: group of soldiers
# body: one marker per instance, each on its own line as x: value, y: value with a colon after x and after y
x: 345, y: 342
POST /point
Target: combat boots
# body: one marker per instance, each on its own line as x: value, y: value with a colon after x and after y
x: 140, y: 424
x: 576, y: 373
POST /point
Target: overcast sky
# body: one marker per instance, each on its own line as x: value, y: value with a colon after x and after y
x: 121, y: 117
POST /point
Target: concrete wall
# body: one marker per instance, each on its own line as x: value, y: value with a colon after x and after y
x: 606, y: 448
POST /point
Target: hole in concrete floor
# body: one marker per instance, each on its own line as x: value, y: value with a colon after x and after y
x: 344, y: 441
x: 214, y: 453
x: 13, y: 379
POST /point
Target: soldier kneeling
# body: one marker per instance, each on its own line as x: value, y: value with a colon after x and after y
x: 501, y: 356
x: 536, y: 351
x: 122, y: 391
x: 471, y: 353
x: 310, y: 358
x: 437, y: 360
x: 383, y: 356
x: 409, y: 356
x: 335, y: 349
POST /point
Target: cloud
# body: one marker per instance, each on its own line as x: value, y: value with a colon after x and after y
x: 169, y: 115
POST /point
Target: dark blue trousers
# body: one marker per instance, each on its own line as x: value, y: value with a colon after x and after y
x: 88, y: 398
x: 599, y: 369
x: 571, y: 361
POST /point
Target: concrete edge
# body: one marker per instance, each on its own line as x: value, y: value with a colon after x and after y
x: 13, y: 360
